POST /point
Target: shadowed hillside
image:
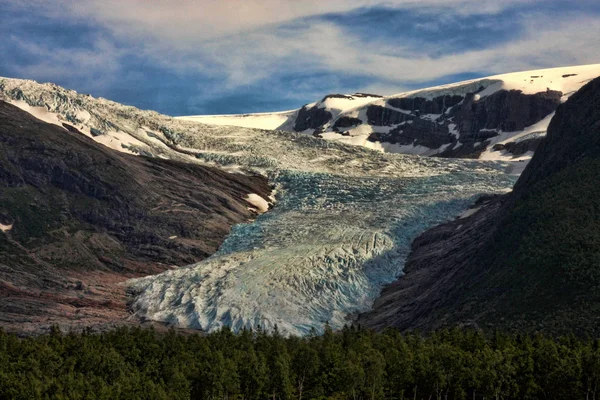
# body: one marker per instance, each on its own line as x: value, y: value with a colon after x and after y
x: 529, y: 260
x: 77, y: 218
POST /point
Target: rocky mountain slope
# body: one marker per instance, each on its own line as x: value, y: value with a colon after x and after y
x: 77, y: 219
x: 498, y: 117
x: 529, y: 260
x: 339, y: 230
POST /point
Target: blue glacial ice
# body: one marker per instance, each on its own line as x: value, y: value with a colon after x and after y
x: 324, y: 251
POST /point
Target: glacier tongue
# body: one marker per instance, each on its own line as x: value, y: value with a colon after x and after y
x: 323, y: 252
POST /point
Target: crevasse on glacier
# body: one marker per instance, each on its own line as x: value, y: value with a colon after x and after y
x: 341, y: 228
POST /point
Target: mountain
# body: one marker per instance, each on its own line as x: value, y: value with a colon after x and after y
x: 77, y: 219
x: 528, y: 260
x: 497, y: 117
x: 339, y: 226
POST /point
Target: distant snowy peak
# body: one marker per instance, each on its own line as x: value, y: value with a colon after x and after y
x: 565, y: 79
x: 315, y: 115
x: 499, y: 117
x: 256, y: 120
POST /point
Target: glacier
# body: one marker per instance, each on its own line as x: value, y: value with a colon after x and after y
x: 339, y: 229
x: 324, y: 251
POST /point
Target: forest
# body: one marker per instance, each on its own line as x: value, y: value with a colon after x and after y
x: 354, y: 363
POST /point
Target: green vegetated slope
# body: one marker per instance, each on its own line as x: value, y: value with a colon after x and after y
x: 541, y: 270
x: 544, y: 261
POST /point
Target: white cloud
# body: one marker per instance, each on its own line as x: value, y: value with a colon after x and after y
x: 320, y: 46
x: 185, y: 23
x: 242, y: 42
x: 98, y: 65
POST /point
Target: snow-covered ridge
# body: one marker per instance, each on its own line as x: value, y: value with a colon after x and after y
x: 564, y: 79
x: 271, y: 120
x: 342, y: 102
x: 348, y: 118
x: 529, y: 82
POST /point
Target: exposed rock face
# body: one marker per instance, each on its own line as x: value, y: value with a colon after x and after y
x: 467, y: 150
x: 346, y: 122
x: 526, y: 260
x: 450, y: 125
x: 422, y: 133
x: 438, y: 105
x: 311, y: 118
x: 83, y: 218
x: 519, y: 148
x: 434, y: 271
x: 436, y: 122
x: 383, y: 116
x: 504, y: 110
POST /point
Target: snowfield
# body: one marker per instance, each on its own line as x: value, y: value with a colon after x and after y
x: 340, y: 228
x: 255, y: 120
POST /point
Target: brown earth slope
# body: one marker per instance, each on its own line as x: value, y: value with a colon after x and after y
x: 77, y: 218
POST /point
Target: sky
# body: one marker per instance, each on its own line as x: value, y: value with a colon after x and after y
x: 190, y: 57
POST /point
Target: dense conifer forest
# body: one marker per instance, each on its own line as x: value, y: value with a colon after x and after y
x: 351, y: 364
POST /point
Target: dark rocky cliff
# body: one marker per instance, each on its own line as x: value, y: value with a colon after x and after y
x: 83, y: 217
x: 463, y: 123
x: 529, y: 260
x: 476, y: 120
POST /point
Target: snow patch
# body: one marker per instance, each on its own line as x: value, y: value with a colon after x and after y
x: 5, y: 228
x: 261, y: 204
x: 40, y: 113
x: 115, y: 140
x: 346, y: 103
x: 454, y: 130
x: 469, y: 212
x: 536, y: 130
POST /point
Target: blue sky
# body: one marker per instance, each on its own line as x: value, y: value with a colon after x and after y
x: 185, y: 57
